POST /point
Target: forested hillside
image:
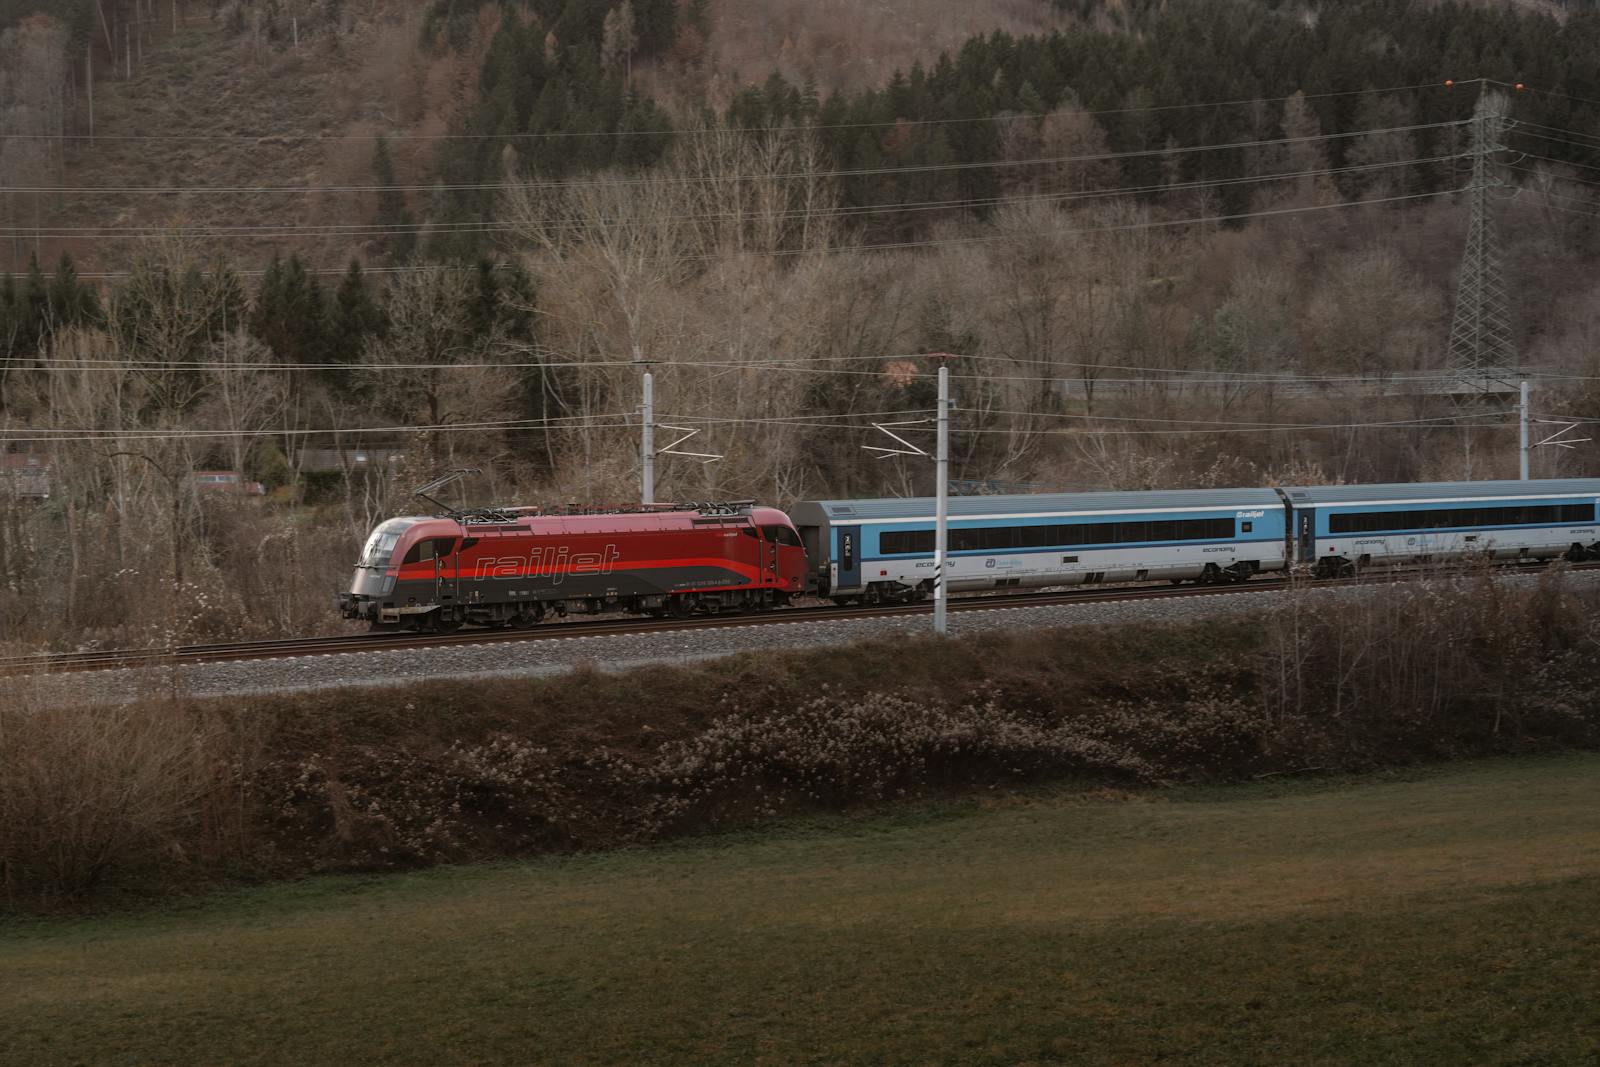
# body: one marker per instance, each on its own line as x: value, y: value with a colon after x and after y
x: 1167, y: 243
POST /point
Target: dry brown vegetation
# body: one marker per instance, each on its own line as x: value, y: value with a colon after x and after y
x: 91, y: 794
x: 177, y: 791
x: 229, y: 100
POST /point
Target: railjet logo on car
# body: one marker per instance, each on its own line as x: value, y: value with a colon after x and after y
x: 558, y: 562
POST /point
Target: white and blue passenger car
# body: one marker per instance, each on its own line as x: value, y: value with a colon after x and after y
x: 876, y: 550
x: 1340, y: 529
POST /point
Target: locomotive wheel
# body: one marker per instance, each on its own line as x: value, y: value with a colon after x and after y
x: 445, y: 624
x: 679, y: 607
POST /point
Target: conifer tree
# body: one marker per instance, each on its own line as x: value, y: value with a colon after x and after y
x: 10, y: 331
x: 290, y: 313
x: 354, y: 317
x: 698, y: 14
x: 70, y: 301
x: 393, y: 214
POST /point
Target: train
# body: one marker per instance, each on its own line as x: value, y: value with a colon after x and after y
x: 501, y: 567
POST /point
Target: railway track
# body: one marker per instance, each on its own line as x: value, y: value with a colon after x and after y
x: 118, y: 659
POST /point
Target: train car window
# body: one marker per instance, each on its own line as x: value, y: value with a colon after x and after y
x: 1011, y: 538
x: 1458, y: 518
x: 750, y: 531
x: 1004, y: 537
x: 902, y: 542
x: 782, y: 535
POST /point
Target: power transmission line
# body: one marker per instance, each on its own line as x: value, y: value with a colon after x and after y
x: 1523, y: 124
x: 1522, y: 155
x: 1556, y: 140
x: 581, y: 225
x: 1064, y: 369
x: 893, y: 246
x: 578, y: 183
x: 1523, y: 87
x: 631, y: 423
x: 844, y: 211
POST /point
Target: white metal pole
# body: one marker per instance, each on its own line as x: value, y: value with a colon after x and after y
x: 941, y: 532
x: 1524, y: 429
x: 647, y: 446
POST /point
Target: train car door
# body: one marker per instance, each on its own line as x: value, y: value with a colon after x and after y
x: 769, y: 555
x: 447, y: 569
x: 849, y: 556
x: 1306, y: 525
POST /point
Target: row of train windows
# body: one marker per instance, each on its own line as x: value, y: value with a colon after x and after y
x: 1004, y: 538
x: 1525, y: 515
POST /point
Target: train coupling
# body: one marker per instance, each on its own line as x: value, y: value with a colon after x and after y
x: 355, y: 606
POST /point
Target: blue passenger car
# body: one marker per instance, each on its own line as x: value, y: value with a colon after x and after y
x: 875, y: 550
x: 1339, y: 529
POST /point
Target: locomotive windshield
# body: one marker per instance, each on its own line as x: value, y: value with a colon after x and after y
x: 380, y: 546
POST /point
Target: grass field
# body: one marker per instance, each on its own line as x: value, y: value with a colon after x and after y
x: 1449, y: 917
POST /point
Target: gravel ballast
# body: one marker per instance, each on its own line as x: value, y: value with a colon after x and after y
x: 551, y: 653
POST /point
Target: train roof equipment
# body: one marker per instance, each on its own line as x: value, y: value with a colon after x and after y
x: 1424, y: 492
x: 1025, y: 505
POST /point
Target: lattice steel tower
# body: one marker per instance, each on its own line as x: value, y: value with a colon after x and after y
x: 1481, y: 348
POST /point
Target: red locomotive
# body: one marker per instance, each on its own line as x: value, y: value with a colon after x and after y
x: 511, y: 567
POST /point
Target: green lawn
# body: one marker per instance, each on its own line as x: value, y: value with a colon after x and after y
x: 1449, y: 917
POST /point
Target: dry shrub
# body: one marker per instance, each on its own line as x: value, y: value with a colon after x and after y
x: 88, y: 793
x: 1457, y: 664
x: 835, y: 752
x: 373, y: 805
